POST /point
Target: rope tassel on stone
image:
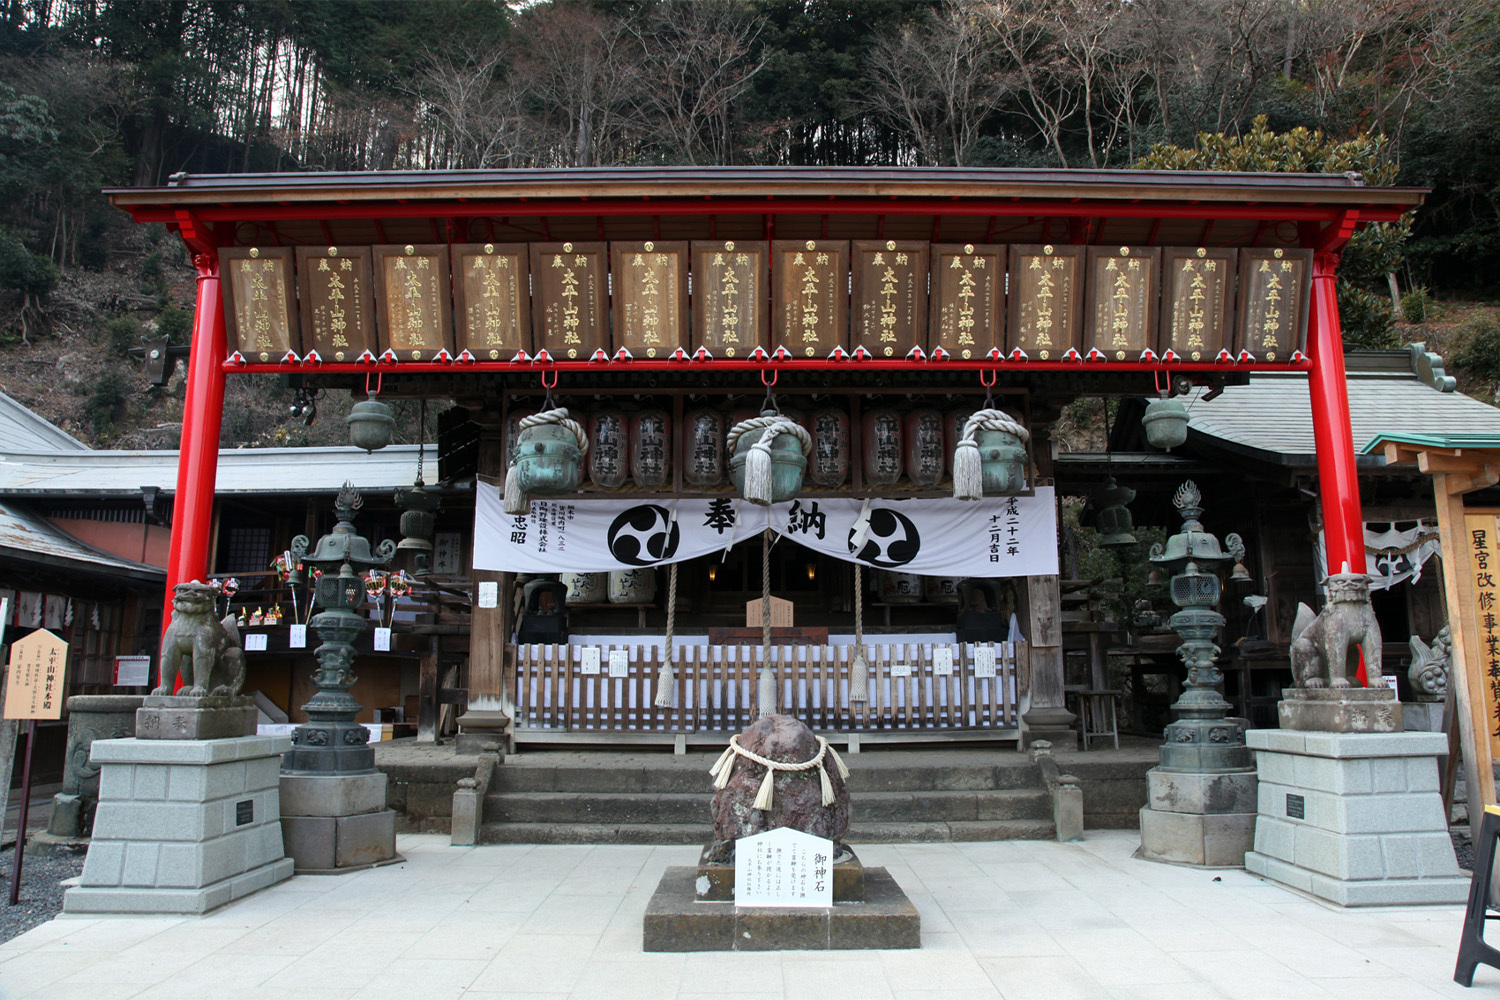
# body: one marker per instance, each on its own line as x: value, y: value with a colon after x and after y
x: 766, y: 798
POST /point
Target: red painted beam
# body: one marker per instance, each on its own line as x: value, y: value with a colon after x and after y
x: 693, y: 367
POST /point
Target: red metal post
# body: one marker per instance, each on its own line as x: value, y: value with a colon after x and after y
x: 1343, y: 522
x: 202, y: 414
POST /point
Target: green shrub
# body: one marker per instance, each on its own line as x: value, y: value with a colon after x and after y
x: 1476, y: 346
x: 174, y: 324
x: 121, y: 333
x: 1416, y: 305
x: 107, y: 402
x: 1366, y: 318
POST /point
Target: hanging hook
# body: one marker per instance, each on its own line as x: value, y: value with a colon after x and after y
x: 1156, y: 380
x: 770, y: 400
x: 549, y: 386
x: 989, y: 395
x: 379, y: 381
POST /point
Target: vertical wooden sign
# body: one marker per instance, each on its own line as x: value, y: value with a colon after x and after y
x: 492, y: 289
x: 36, y: 686
x: 650, y: 297
x: 889, y: 313
x: 569, y: 284
x: 1046, y: 299
x: 968, y: 300
x: 1123, y: 284
x: 1196, y: 298
x: 259, y: 302
x: 1482, y: 539
x: 338, y: 304
x: 731, y: 310
x: 811, y: 283
x: 1273, y: 301
x: 414, y: 314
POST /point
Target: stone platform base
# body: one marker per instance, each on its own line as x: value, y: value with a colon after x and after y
x: 676, y: 921
x: 211, y: 717
x: 183, y: 826
x: 1340, y: 710
x: 1205, y: 820
x: 336, y: 823
x: 1354, y: 818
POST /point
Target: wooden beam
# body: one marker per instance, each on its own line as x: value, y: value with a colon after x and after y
x: 1466, y: 674
x: 1433, y: 462
x: 1482, y: 479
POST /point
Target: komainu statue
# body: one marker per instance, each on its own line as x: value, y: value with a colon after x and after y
x: 216, y: 663
x: 1429, y: 666
x: 1323, y: 644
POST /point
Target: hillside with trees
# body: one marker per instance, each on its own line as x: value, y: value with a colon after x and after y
x: 104, y: 93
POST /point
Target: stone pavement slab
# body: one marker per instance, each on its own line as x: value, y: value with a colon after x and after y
x: 1007, y: 920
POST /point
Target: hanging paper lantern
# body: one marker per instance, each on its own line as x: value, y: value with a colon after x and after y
x: 703, y: 448
x: 924, y: 447
x: 651, y: 449
x: 829, y: 463
x: 881, y: 440
x: 632, y: 586
x: 609, y: 449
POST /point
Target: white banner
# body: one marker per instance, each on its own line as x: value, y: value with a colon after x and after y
x: 1000, y: 536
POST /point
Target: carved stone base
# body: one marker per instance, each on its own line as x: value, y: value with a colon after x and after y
x: 335, y: 823
x: 1340, y: 710
x: 1205, y: 820
x: 211, y: 717
x: 478, y: 728
x: 1207, y: 745
x: 329, y: 748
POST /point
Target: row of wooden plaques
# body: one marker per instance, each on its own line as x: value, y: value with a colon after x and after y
x: 808, y: 296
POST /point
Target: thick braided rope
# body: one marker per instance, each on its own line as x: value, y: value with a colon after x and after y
x: 666, y: 677
x: 765, y: 600
x: 807, y: 765
x: 775, y: 425
x: 859, y: 671
x: 558, y: 416
x: 991, y: 420
x: 765, y: 799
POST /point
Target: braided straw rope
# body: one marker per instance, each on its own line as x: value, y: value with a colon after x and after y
x: 766, y: 684
x: 765, y: 798
x: 774, y: 425
x: 666, y: 679
x: 859, y: 671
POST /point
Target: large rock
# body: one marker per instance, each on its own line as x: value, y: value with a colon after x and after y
x: 799, y: 794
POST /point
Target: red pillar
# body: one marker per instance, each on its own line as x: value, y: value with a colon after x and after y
x: 202, y: 413
x: 1343, y: 522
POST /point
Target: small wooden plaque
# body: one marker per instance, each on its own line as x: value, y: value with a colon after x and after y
x: 414, y: 312
x: 568, y: 281
x: 492, y: 289
x: 338, y: 302
x: 1046, y: 300
x: 1197, y: 294
x: 1123, y: 284
x: 731, y: 307
x: 811, y: 283
x: 650, y: 297
x: 260, y: 307
x: 968, y: 300
x: 1273, y: 301
x: 890, y: 296
x: 781, y: 613
x: 36, y: 685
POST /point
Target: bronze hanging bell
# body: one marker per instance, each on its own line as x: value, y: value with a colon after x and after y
x: 1165, y: 422
x: 370, y: 424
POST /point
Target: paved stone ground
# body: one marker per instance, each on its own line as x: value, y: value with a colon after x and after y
x: 1014, y: 919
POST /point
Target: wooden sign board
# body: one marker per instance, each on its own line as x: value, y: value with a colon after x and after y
x: 1123, y: 285
x: 338, y: 302
x: 1482, y: 539
x: 781, y: 613
x: 1197, y: 297
x: 569, y: 284
x: 968, y: 300
x: 36, y: 686
x: 260, y: 307
x: 810, y: 279
x: 1273, y: 301
x: 731, y: 311
x: 492, y: 289
x: 889, y: 314
x: 650, y: 296
x: 415, y: 314
x: 1046, y: 300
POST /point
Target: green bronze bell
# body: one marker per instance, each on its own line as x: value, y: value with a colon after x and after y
x: 549, y: 462
x: 370, y: 424
x: 787, y: 462
x: 1166, y: 423
x: 1002, y: 462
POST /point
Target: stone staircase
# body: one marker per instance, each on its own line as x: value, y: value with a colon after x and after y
x: 653, y: 798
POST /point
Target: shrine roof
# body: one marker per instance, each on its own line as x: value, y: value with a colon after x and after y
x: 23, y: 430
x: 29, y: 538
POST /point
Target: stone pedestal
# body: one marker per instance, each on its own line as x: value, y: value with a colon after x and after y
x: 479, y: 728
x: 209, y: 717
x: 183, y: 826
x: 337, y: 822
x: 1340, y: 710
x: 91, y: 717
x: 1354, y: 818
x: 1422, y: 716
x: 1199, y: 818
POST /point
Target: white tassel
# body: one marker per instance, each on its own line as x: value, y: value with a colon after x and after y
x: 968, y: 471
x: 516, y: 502
x: 859, y: 680
x: 666, y: 682
x: 838, y: 762
x: 722, y: 767
x: 827, y: 785
x: 758, y: 471
x: 766, y: 694
x: 767, y: 797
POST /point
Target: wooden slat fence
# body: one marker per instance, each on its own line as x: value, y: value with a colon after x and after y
x: 715, y: 688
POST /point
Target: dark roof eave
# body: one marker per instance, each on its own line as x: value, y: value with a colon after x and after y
x: 83, y: 568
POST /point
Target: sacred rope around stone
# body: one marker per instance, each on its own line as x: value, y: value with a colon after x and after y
x: 765, y: 798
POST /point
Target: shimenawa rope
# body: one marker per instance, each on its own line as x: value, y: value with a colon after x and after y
x: 765, y: 694
x: 765, y: 798
x: 859, y: 672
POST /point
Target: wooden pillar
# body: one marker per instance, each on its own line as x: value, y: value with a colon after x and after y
x: 1047, y: 718
x: 489, y: 713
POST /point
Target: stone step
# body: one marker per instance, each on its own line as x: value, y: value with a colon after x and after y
x: 676, y: 776
x: 953, y: 830
x: 678, y: 807
x: 702, y: 833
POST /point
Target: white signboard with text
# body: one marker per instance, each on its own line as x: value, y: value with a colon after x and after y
x: 783, y: 868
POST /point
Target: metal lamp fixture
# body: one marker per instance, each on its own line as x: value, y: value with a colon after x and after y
x: 1111, y: 515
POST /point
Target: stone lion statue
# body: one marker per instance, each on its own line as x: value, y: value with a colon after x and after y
x: 215, y: 661
x: 1323, y: 644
